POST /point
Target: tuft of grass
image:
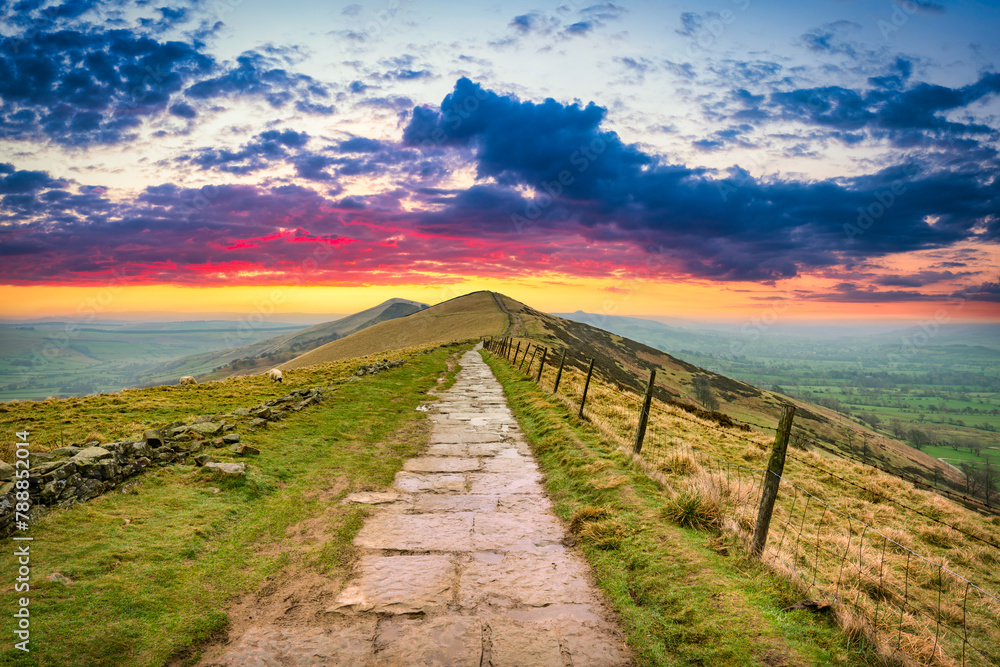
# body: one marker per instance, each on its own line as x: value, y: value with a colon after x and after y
x: 586, y: 515
x: 605, y: 533
x: 679, y: 462
x: 693, y: 508
x: 938, y: 536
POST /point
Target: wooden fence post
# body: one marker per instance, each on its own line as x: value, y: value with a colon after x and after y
x: 531, y: 361
x: 775, y: 467
x: 545, y: 351
x: 562, y: 360
x: 586, y: 386
x: 640, y: 432
x: 524, y: 357
x: 516, y: 352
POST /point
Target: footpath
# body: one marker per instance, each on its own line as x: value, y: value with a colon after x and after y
x: 463, y: 562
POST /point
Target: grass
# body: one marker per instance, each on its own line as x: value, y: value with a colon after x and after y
x: 702, y: 467
x: 155, y: 570
x: 680, y: 601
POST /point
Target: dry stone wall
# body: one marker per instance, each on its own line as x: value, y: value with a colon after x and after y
x: 66, y: 476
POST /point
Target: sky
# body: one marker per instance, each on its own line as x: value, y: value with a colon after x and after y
x: 717, y: 160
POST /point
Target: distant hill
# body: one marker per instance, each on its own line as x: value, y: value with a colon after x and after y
x: 265, y: 354
x: 470, y: 316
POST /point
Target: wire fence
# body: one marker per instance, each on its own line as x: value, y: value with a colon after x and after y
x: 915, y: 608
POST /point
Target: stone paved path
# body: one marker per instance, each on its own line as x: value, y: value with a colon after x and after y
x: 463, y: 562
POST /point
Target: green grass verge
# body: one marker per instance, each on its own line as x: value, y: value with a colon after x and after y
x: 680, y: 601
x: 154, y: 569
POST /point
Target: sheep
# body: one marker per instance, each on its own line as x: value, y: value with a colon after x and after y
x: 187, y: 379
x: 275, y: 375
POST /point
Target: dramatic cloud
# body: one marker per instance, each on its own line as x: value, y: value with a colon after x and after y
x: 587, y: 181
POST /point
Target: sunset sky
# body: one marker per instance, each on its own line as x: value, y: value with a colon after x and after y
x: 708, y: 160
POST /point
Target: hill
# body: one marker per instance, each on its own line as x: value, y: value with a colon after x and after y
x: 626, y: 363
x: 471, y: 316
x: 941, y: 396
x: 257, y: 357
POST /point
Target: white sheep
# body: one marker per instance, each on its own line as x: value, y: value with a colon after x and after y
x: 187, y: 379
x: 275, y: 375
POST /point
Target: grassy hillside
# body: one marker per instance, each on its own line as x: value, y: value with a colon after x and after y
x: 258, y: 357
x: 470, y: 316
x: 625, y: 363
x: 939, y: 393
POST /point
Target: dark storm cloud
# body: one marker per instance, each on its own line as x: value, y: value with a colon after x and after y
x: 731, y: 229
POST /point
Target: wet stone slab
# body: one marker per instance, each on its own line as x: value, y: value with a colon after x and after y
x: 398, y: 585
x: 522, y: 578
x: 351, y: 646
x: 487, y: 448
x: 524, y: 503
x: 454, y: 503
x: 509, y: 464
x: 441, y: 464
x: 516, y: 644
x: 443, y: 640
x: 448, y: 450
x: 413, y: 482
x: 376, y: 498
x: 506, y: 483
x: 515, y: 532
x: 417, y: 532
x: 461, y: 435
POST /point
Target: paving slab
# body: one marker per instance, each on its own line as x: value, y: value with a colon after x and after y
x: 442, y: 464
x: 515, y: 532
x: 413, y: 482
x: 352, y: 646
x: 454, y: 503
x: 449, y: 450
x: 417, y: 532
x: 516, y: 644
x: 398, y: 585
x: 508, y: 483
x: 523, y: 578
x: 445, y: 641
